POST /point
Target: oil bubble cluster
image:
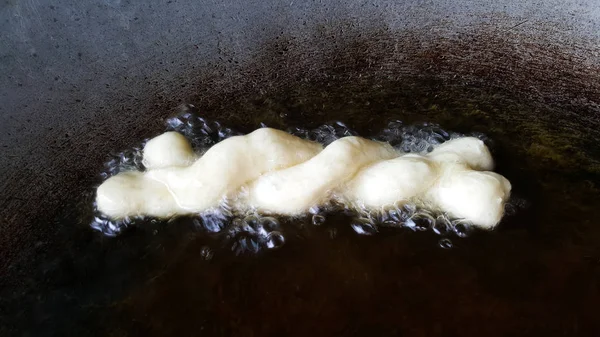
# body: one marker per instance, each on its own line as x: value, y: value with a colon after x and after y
x: 324, y: 134
x: 248, y: 233
x: 111, y: 227
x: 252, y: 233
x: 400, y: 217
x: 201, y: 133
x: 128, y: 160
x: 421, y: 138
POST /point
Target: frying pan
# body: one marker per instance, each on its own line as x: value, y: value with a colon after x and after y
x: 82, y: 80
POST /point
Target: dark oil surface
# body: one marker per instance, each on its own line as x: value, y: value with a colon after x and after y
x: 537, y: 274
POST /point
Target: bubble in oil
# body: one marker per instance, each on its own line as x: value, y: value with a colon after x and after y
x: 461, y: 228
x: 128, y: 160
x: 255, y: 233
x: 318, y: 219
x: 245, y: 244
x: 362, y: 227
x: 445, y: 243
x: 201, y: 132
x: 314, y: 210
x: 424, y: 220
x: 324, y: 134
x: 394, y: 216
x: 275, y: 240
x: 212, y: 222
x: 442, y: 225
x: 110, y: 227
x: 206, y: 253
x: 419, y: 138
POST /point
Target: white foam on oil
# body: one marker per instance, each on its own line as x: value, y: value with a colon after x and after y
x: 226, y: 216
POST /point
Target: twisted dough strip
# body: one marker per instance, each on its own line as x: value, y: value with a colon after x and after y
x: 284, y: 174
